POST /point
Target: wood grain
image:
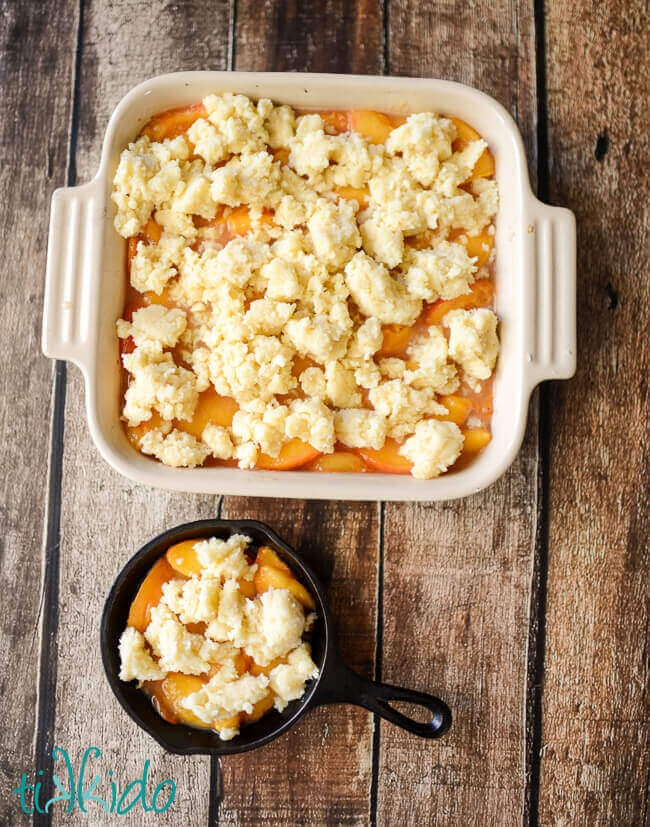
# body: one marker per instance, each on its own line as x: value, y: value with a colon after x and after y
x: 105, y: 518
x: 595, y: 734
x: 457, y: 576
x: 321, y: 772
x: 36, y: 63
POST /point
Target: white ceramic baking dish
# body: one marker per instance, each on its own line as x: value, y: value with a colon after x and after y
x: 536, y: 294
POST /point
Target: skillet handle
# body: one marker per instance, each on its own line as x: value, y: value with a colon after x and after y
x: 343, y: 685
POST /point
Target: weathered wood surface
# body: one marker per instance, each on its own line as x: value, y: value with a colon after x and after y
x: 105, y: 518
x: 595, y: 724
x: 32, y: 162
x: 322, y: 771
x: 457, y: 576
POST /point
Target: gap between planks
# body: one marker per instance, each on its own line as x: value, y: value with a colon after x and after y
x: 48, y: 666
x: 538, y: 591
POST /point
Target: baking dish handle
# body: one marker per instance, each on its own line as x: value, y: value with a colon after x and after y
x: 550, y: 241
x: 341, y: 685
x: 73, y: 262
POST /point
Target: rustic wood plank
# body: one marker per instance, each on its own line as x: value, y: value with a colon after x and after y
x: 305, y: 776
x: 595, y: 732
x: 321, y: 772
x: 36, y: 71
x: 457, y: 576
x: 106, y: 518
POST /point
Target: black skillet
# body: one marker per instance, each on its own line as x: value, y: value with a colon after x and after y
x: 336, y: 683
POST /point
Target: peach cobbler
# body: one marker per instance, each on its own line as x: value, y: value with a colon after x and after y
x: 215, y: 634
x: 307, y: 290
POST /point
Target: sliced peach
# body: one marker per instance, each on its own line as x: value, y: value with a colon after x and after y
x: 373, y: 125
x: 301, y: 363
x: 360, y: 195
x: 159, y: 298
x: 386, y: 459
x: 219, y: 410
x: 480, y: 295
x: 256, y: 669
x: 292, y: 455
x: 243, y: 662
x: 152, y: 231
x: 340, y: 462
x: 173, y: 689
x: 132, y: 248
x: 228, y: 723
x: 281, y: 155
x: 149, y: 594
x: 475, y: 440
x: 238, y: 222
x: 477, y: 246
x: 174, y: 122
x: 247, y: 587
x: 484, y: 167
x: 458, y: 407
x: 267, y: 557
x: 465, y: 134
x: 267, y: 577
x: 135, y: 433
x: 396, y: 339
x: 182, y: 558
x: 420, y: 241
x: 259, y: 709
x: 336, y: 121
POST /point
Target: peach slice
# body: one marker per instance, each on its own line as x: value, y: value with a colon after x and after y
x: 480, y: 295
x: 458, y: 407
x: 340, y: 462
x: 135, y: 433
x: 465, y: 134
x: 336, y: 121
x: 149, y: 594
x: 267, y: 577
x: 396, y: 339
x: 259, y: 709
x: 174, y: 688
x: 229, y: 723
x: 293, y: 454
x: 183, y: 559
x: 386, y: 459
x: 256, y: 669
x: 373, y: 125
x: 360, y: 195
x: 484, y: 167
x: 159, y: 298
x: 475, y: 440
x: 210, y: 408
x: 174, y: 122
x: 267, y: 557
x: 477, y: 246
x: 281, y: 155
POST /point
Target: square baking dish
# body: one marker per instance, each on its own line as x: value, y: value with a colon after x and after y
x: 535, y: 282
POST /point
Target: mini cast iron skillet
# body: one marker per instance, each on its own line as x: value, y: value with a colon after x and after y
x: 335, y: 683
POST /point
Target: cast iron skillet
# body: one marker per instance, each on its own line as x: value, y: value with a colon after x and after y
x: 335, y: 683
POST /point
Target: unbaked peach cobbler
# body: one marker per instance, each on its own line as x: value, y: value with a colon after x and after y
x: 307, y: 290
x: 215, y: 634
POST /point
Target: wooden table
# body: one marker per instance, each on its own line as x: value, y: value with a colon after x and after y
x: 524, y: 606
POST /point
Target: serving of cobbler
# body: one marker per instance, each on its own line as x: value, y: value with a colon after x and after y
x: 307, y: 291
